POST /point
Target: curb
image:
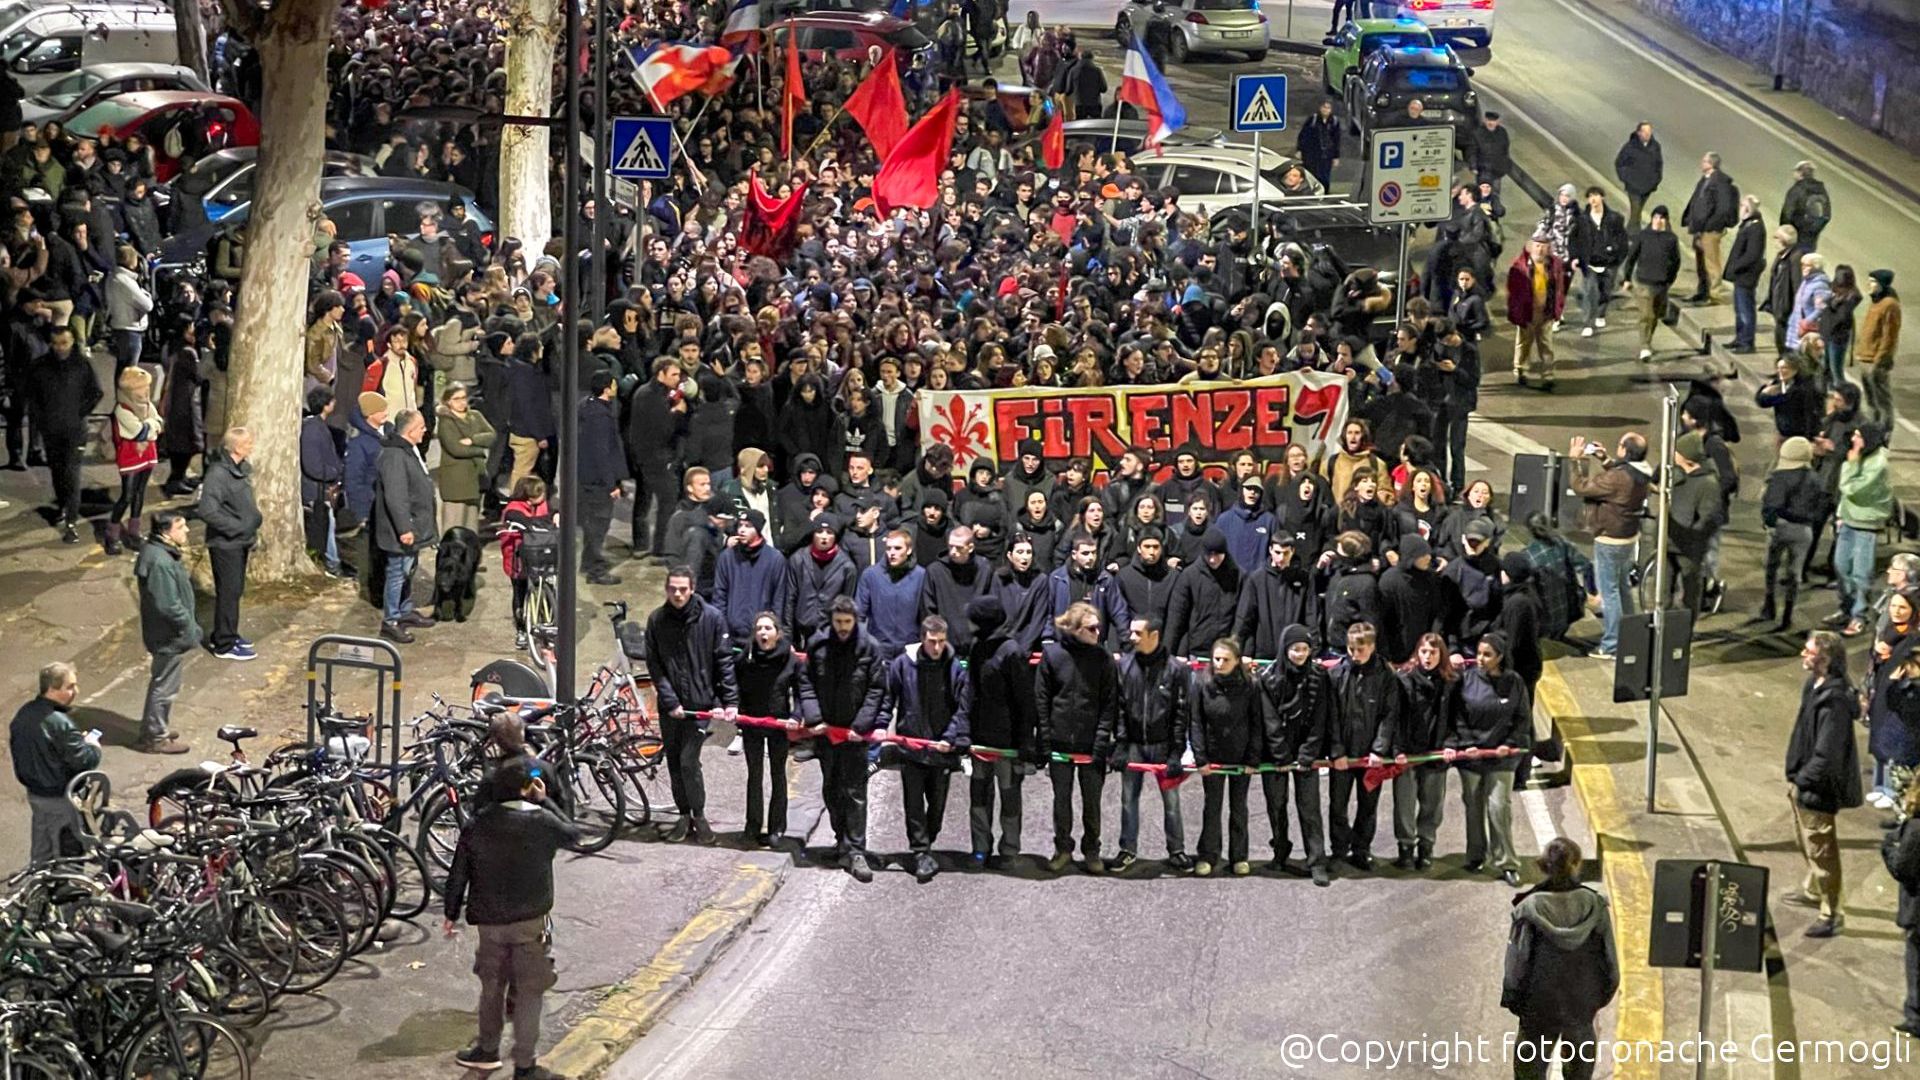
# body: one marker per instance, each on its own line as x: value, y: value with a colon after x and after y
x: 637, y: 1003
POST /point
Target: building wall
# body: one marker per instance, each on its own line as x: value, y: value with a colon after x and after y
x: 1860, y: 58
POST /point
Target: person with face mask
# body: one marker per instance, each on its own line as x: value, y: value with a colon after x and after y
x: 773, y: 682
x: 1077, y: 702
x: 1204, y: 598
x: 1299, y: 709
x: 1000, y: 707
x: 842, y: 664
x: 1153, y: 730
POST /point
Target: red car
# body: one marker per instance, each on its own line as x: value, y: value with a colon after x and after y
x: 181, y: 126
x: 847, y: 35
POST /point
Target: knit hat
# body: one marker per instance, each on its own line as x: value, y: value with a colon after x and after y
x: 826, y: 523
x: 756, y: 519
x: 1884, y: 277
x: 1294, y: 634
x: 720, y: 506
x: 1516, y: 566
x: 985, y: 614
x: 1412, y: 547
x: 1692, y: 446
x: 1480, y: 529
x: 1033, y: 447
x: 1213, y: 542
x: 1796, y: 453
x: 1568, y: 189
x: 371, y: 403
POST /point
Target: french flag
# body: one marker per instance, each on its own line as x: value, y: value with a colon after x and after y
x: 1143, y: 87
x: 743, y: 26
x: 668, y: 70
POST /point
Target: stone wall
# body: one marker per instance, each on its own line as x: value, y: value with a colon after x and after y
x: 1860, y: 58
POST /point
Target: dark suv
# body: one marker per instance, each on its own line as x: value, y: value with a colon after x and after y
x: 1391, y: 79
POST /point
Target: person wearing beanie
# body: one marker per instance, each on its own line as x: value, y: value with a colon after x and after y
x: 750, y: 577
x: 1795, y: 399
x: 1412, y: 600
x: 1246, y: 525
x: 1794, y: 504
x: 1696, y: 510
x: 1299, y: 710
x: 930, y: 524
x: 1866, y: 502
x: 1493, y: 711
x: 983, y: 508
x: 1202, y: 608
x: 363, y: 457
x: 1154, y: 688
x: 817, y: 574
x: 1000, y: 703
x: 1652, y: 266
x: 1879, y: 340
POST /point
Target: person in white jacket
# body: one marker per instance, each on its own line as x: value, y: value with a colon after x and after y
x: 128, y: 304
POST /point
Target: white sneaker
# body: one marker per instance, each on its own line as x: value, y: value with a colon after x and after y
x: 1556, y: 326
x: 1601, y: 323
x: 1586, y: 331
x: 1880, y: 800
x: 736, y: 746
x: 1645, y: 355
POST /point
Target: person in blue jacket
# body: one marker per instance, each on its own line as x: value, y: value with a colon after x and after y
x: 750, y: 577
x: 923, y: 695
x: 363, y: 455
x: 887, y: 599
x: 1082, y: 578
x: 1246, y: 525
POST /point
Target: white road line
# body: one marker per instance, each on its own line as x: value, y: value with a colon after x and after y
x: 1539, y: 818
x: 1501, y: 437
x: 112, y: 684
x: 1508, y: 107
x: 1770, y: 126
x: 1474, y: 466
x: 1909, y: 426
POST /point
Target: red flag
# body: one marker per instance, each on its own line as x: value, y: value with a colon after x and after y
x: 1053, y: 141
x: 879, y: 107
x: 771, y: 224
x: 793, y: 95
x: 910, y: 176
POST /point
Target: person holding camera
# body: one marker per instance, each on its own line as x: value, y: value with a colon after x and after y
x: 1614, y: 500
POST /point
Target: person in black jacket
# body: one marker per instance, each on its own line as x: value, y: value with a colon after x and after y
x: 1419, y: 791
x: 1490, y: 150
x: 774, y: 683
x: 1154, y: 688
x: 842, y: 666
x: 502, y: 880
x: 1000, y: 710
x: 922, y: 694
x: 1598, y: 245
x: 1807, y: 206
x: 403, y: 522
x: 1900, y: 850
x: 656, y: 424
x: 1783, y: 282
x: 61, y: 393
x: 816, y: 575
x: 1367, y: 703
x: 1412, y: 600
x: 1712, y: 209
x: 1823, y: 769
x: 954, y: 582
x: 1146, y: 583
x: 1561, y: 968
x: 691, y: 659
x: 1653, y: 264
x: 1320, y: 143
x: 1795, y: 399
x: 1077, y: 699
x: 1273, y: 599
x: 1794, y: 504
x: 1202, y: 608
x: 48, y: 752
x: 1299, y: 707
x: 1492, y: 711
x: 603, y: 468
x: 1640, y: 169
x: 1228, y: 730
x: 1353, y: 589
x: 1745, y: 259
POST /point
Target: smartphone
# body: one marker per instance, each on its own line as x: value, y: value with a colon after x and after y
x: 94, y: 735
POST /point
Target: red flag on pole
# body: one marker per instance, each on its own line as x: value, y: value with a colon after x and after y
x: 1053, y: 141
x: 771, y: 225
x: 879, y: 107
x: 911, y: 174
x: 793, y: 94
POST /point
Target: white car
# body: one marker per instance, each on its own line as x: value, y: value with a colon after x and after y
x: 1213, y: 178
x: 1184, y: 28
x: 1467, y: 21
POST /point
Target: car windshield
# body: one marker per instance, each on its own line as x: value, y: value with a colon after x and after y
x: 112, y: 113
x: 910, y: 38
x: 18, y: 43
x: 1426, y: 80
x: 1375, y: 42
x: 68, y: 89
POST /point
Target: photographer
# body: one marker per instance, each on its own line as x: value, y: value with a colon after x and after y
x: 1615, y: 498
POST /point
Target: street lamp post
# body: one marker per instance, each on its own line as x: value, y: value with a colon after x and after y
x: 597, y: 306
x: 565, y: 648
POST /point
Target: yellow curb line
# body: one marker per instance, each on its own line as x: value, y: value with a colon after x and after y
x: 1641, y: 1017
x: 636, y: 1004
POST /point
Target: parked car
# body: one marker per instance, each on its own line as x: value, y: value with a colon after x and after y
x: 219, y: 183
x: 925, y: 16
x: 364, y: 210
x: 1212, y: 178
x: 1361, y: 38
x: 1450, y: 20
x: 50, y: 42
x: 847, y: 35
x: 70, y: 95
x: 1183, y: 28
x: 1391, y: 78
x: 1128, y: 135
x: 181, y: 126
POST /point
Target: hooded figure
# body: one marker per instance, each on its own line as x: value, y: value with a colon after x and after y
x: 1247, y: 525
x: 1299, y: 711
x: 806, y: 421
x: 1412, y: 601
x: 982, y: 508
x: 1561, y: 967
x: 1000, y: 686
x: 1202, y: 609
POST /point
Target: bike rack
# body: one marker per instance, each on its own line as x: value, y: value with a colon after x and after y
x: 357, y: 654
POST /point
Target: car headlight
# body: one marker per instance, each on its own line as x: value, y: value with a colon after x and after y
x: 1471, y: 98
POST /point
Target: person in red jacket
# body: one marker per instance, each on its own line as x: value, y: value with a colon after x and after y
x: 1536, y: 293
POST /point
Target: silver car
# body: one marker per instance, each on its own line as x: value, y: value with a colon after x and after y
x: 1183, y: 28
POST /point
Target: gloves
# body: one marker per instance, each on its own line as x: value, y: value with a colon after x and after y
x: 1174, y: 769
x: 1102, y: 749
x: 1118, y: 762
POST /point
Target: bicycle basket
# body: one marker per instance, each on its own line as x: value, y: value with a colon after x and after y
x: 633, y: 641
x: 539, y: 552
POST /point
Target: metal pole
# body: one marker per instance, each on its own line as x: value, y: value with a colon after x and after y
x: 602, y: 204
x: 566, y: 647
x: 1780, y: 49
x: 1289, y: 20
x: 1709, y: 953
x: 1669, y: 418
x: 1258, y: 248
x: 1400, y: 280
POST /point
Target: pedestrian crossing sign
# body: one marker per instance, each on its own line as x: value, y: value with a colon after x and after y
x: 642, y: 147
x: 1259, y: 103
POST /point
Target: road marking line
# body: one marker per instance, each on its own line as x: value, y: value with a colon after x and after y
x: 1502, y: 438
x: 1539, y: 818
x: 1641, y: 1016
x: 1508, y: 106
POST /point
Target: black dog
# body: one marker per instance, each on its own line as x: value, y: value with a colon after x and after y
x: 454, y: 574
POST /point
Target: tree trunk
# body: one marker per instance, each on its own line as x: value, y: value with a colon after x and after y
x: 526, y: 204
x: 266, y: 376
x: 190, y: 30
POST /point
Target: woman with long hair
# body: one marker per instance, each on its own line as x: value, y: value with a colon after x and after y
x: 1891, y: 739
x: 1419, y: 793
x: 1491, y: 711
x: 137, y: 425
x: 1226, y: 729
x: 1362, y: 511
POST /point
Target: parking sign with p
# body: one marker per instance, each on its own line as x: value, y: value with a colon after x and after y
x: 1392, y: 154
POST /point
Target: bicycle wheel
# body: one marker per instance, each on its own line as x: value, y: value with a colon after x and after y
x: 186, y: 1046
x: 376, y: 857
x: 638, y: 760
x: 347, y: 882
x: 234, y: 990
x: 440, y: 825
x: 310, y: 932
x: 412, y: 885
x: 597, y: 800
x: 28, y: 1067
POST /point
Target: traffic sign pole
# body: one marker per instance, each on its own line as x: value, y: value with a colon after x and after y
x: 1400, y: 281
x: 1259, y: 105
x: 1258, y: 248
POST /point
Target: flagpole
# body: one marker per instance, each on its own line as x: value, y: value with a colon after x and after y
x: 1115, y: 144
x: 825, y: 130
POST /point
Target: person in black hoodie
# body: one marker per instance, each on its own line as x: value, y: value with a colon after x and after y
x: 954, y: 582
x: 1228, y: 729
x: 816, y: 575
x: 1202, y: 609
x: 1366, y: 720
x: 1188, y: 534
x: 1090, y: 521
x: 773, y: 683
x: 1186, y: 483
x: 1273, y: 599
x: 691, y: 659
x: 983, y: 509
x: 922, y: 694
x: 1473, y: 597
x: 1077, y: 708
x: 1029, y: 473
x: 1900, y: 851
x: 1353, y: 588
x: 1152, y: 730
x: 1072, y: 488
x: 1024, y: 593
x: 1000, y: 706
x: 1492, y: 711
x: 1412, y: 601
x: 793, y: 504
x: 865, y: 537
x: 842, y: 666
x: 1419, y: 791
x: 930, y: 527
x: 1561, y: 967
x: 1146, y: 583
x: 1302, y: 507
x: 710, y: 427
x: 806, y: 422
x: 1034, y: 517
x: 1823, y: 770
x: 1299, y: 709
